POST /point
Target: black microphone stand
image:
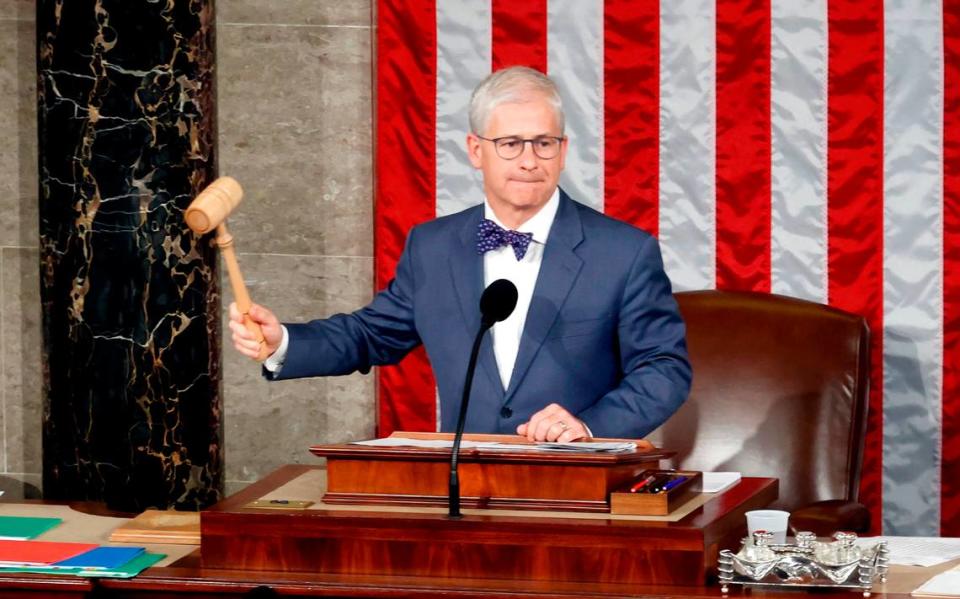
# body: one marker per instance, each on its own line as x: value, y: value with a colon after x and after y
x: 461, y: 420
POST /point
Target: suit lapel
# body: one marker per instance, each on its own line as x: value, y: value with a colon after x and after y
x: 558, y: 271
x: 466, y: 271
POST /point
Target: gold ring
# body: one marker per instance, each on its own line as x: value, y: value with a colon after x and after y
x: 563, y: 425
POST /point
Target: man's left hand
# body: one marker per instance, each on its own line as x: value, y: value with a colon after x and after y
x: 553, y: 423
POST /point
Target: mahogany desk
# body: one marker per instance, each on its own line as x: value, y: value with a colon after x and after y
x: 188, y: 578
x: 191, y: 577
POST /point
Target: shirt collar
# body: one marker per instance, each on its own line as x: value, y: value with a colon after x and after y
x: 539, y: 224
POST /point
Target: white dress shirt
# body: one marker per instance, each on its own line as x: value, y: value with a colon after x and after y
x: 501, y: 263
x: 497, y: 264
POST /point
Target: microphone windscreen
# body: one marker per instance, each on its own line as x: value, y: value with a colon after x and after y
x: 498, y: 301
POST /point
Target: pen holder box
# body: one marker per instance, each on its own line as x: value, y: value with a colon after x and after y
x: 622, y: 501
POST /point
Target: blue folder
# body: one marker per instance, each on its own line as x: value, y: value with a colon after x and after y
x: 102, y: 558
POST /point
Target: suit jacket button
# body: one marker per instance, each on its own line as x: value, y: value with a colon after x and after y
x: 506, y: 412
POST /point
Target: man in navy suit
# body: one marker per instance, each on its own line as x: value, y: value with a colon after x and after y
x: 595, y: 346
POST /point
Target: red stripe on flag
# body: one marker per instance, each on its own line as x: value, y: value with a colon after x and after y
x: 950, y: 467
x: 743, y: 145
x: 519, y: 34
x: 631, y: 89
x: 855, y: 199
x: 405, y: 185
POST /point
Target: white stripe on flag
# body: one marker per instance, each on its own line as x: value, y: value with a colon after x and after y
x: 912, y: 266
x: 463, y: 59
x: 688, y: 142
x: 798, y: 97
x: 575, y: 62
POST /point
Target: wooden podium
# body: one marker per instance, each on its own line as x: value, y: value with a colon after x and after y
x: 397, y: 524
x: 580, y: 482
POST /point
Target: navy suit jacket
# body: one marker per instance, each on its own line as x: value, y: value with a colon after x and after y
x: 603, y: 336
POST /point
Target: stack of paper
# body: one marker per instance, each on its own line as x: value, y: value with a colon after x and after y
x: 78, y: 559
x: 591, y: 446
x: 584, y: 446
x: 918, y: 551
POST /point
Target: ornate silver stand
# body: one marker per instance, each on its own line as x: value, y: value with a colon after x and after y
x: 807, y: 563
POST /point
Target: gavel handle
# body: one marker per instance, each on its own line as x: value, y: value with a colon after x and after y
x: 241, y: 296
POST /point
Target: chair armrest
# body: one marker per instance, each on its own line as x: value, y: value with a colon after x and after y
x: 827, y: 517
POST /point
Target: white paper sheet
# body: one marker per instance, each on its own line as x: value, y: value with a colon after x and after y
x: 918, y: 551
x: 714, y: 482
x: 945, y: 584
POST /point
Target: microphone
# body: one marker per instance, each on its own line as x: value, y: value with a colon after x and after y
x: 496, y: 304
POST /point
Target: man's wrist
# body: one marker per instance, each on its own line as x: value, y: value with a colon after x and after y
x: 274, y: 361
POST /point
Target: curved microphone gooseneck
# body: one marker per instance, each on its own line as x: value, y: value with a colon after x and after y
x: 496, y: 304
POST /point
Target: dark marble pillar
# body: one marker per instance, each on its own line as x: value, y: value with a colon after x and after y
x: 132, y: 400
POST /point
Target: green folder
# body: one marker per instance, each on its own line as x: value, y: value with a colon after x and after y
x: 21, y: 528
x: 129, y: 569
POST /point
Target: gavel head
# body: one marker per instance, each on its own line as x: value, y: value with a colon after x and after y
x: 213, y: 205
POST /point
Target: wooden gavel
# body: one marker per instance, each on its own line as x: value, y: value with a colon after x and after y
x: 208, y: 211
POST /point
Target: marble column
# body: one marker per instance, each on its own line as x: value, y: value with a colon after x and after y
x: 130, y: 298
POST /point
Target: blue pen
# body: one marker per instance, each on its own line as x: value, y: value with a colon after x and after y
x: 657, y: 485
x: 673, y: 483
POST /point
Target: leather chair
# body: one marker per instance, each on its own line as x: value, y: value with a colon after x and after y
x: 780, y: 388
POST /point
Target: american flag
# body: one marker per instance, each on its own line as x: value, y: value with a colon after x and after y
x: 809, y: 148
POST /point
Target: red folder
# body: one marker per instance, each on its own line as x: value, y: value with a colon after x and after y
x: 39, y: 553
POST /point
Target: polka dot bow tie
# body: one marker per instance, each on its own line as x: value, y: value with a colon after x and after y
x: 491, y: 236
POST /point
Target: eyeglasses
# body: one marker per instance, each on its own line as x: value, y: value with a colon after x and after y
x: 510, y: 147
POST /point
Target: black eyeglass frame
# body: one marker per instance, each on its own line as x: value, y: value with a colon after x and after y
x: 523, y: 142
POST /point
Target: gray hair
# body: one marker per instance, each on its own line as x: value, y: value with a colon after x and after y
x: 512, y: 84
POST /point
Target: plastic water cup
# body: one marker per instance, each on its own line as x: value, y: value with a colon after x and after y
x: 772, y: 521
